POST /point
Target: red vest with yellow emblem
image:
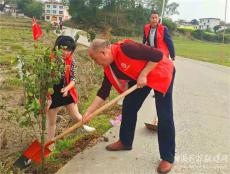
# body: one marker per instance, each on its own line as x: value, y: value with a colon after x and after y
x: 159, y: 38
x: 159, y: 78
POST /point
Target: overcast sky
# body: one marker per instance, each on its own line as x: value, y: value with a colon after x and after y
x: 195, y: 9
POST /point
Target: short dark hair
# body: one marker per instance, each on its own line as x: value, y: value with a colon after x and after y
x: 154, y: 12
x: 65, y: 41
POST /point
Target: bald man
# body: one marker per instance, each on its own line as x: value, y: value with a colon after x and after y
x: 125, y: 64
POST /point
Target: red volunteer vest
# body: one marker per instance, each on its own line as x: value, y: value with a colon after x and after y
x: 159, y: 78
x: 159, y: 38
x: 72, y: 91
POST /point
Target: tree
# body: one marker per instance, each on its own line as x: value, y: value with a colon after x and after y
x: 65, y: 2
x: 126, y: 17
x: 85, y: 12
x: 11, y: 1
x: 169, y: 24
x: 33, y: 9
x: 40, y: 73
x: 194, y: 22
x: 170, y: 9
x: 30, y: 7
x: 216, y: 28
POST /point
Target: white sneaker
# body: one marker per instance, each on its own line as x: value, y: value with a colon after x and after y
x: 88, y: 128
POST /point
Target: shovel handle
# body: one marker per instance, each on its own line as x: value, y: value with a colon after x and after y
x: 96, y: 112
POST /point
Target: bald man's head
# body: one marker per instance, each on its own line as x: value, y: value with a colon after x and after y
x: 100, y: 52
x: 99, y: 44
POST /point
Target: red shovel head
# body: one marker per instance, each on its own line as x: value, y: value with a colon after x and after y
x: 151, y: 126
x: 34, y: 151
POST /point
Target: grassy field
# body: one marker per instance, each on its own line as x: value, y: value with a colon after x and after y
x: 205, y: 51
x: 217, y: 53
x: 16, y: 38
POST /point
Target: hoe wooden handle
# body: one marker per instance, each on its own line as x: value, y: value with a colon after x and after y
x: 96, y: 112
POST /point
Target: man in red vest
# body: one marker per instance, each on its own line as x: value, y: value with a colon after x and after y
x: 157, y: 35
x: 127, y: 63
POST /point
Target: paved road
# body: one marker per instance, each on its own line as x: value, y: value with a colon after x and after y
x: 72, y: 32
x: 202, y: 119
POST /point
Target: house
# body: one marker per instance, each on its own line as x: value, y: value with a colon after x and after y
x: 55, y: 12
x: 208, y: 23
x: 11, y: 8
x: 8, y: 8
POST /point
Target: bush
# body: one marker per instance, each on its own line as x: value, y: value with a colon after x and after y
x: 169, y: 24
x: 185, y: 30
x: 211, y: 37
x: 228, y: 30
x: 91, y: 34
x: 226, y: 38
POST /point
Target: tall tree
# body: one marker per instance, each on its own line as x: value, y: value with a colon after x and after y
x: 170, y: 8
x: 30, y: 7
x: 194, y: 22
x: 124, y: 16
x: 33, y: 9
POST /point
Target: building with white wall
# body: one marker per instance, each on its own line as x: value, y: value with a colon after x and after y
x: 55, y: 11
x: 208, y: 23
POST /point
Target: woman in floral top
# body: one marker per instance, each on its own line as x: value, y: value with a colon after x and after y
x: 65, y: 92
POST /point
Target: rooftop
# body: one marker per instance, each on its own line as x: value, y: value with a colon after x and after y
x: 210, y: 18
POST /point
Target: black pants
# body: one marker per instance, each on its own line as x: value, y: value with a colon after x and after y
x: 164, y: 106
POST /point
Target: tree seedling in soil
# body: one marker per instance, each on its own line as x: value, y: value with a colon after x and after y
x: 39, y: 76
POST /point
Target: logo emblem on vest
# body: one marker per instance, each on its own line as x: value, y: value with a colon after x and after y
x: 124, y: 66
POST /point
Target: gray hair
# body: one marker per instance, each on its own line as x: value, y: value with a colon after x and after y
x: 99, y: 44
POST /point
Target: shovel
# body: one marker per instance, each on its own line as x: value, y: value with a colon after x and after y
x: 152, y: 126
x: 34, y: 151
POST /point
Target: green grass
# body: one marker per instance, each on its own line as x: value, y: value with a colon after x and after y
x: 16, y: 38
x: 11, y: 83
x: 188, y: 28
x: 101, y: 123
x: 205, y: 51
x: 217, y: 53
x: 5, y: 169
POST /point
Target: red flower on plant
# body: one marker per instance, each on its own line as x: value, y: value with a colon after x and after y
x: 51, y: 55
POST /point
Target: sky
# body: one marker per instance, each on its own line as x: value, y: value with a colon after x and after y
x: 196, y: 9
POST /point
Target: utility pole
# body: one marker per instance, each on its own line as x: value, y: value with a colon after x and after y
x: 162, y: 11
x: 225, y: 18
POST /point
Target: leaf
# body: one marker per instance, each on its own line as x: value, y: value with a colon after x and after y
x: 30, y: 94
x: 51, y: 91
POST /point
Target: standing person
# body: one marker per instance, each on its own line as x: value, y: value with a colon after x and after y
x: 61, y: 24
x: 64, y: 92
x: 127, y: 63
x: 157, y: 35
